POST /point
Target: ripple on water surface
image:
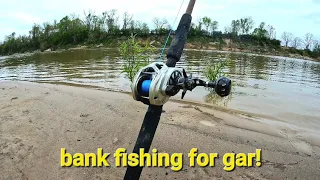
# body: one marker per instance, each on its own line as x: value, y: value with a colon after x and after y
x: 287, y: 89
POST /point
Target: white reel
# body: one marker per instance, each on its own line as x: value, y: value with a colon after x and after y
x: 150, y: 83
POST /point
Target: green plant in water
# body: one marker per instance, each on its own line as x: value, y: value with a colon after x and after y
x: 134, y: 55
x: 214, y: 70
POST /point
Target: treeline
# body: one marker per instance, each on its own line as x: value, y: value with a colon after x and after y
x: 108, y: 28
x: 242, y: 35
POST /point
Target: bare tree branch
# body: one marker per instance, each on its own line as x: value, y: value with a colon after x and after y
x: 287, y: 38
x: 308, y: 40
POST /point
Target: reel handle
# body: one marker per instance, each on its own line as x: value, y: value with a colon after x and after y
x: 222, y: 86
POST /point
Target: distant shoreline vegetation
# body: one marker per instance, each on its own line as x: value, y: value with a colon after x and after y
x: 108, y: 30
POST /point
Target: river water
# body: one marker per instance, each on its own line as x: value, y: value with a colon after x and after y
x: 283, y: 88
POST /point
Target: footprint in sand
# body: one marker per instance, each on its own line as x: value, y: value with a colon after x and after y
x: 208, y: 123
x: 301, y: 145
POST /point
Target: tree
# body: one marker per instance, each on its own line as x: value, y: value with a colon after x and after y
x: 88, y: 19
x: 316, y: 49
x: 137, y: 26
x: 206, y: 22
x: 214, y: 26
x: 287, y: 38
x: 112, y: 20
x: 35, y: 35
x: 46, y: 30
x: 194, y: 31
x: 271, y: 32
x: 260, y: 32
x: 296, y: 42
x: 235, y: 27
x: 127, y: 18
x: 308, y: 40
x: 159, y: 23
x: 246, y: 25
x: 145, y: 29
x: 105, y: 27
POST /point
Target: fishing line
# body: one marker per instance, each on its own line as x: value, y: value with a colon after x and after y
x: 165, y: 44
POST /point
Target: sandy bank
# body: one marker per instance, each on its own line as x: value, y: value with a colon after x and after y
x: 39, y: 119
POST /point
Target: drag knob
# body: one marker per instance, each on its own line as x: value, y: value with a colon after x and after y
x: 223, y: 86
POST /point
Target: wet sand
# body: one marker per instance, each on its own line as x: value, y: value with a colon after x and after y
x: 39, y: 119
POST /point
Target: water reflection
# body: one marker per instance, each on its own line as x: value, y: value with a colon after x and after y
x: 213, y: 98
x: 260, y: 84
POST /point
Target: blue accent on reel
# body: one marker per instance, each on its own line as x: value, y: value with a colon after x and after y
x: 145, y: 86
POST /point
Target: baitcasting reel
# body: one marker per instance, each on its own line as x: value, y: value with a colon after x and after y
x: 156, y: 83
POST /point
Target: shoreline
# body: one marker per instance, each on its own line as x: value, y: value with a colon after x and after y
x: 94, y: 47
x: 38, y: 119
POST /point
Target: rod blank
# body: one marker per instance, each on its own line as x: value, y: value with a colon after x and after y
x: 190, y: 7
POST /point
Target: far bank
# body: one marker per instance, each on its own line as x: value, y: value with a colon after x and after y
x: 202, y: 43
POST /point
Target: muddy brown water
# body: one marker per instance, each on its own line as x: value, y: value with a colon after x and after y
x: 283, y: 88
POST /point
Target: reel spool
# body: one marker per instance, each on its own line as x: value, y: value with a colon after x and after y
x: 150, y: 83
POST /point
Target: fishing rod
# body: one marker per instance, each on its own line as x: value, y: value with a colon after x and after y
x: 155, y: 83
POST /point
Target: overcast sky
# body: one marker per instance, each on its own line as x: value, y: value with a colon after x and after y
x: 295, y: 16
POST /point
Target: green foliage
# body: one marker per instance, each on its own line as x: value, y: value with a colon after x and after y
x: 235, y: 27
x: 134, y: 56
x: 206, y: 22
x: 105, y: 28
x: 214, y: 26
x: 316, y: 51
x: 161, y: 25
x: 71, y: 30
x: 195, y: 30
x: 246, y: 24
x: 214, y: 70
x: 261, y: 32
x: 209, y: 24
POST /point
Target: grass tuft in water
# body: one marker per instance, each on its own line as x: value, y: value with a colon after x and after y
x: 214, y: 70
x: 135, y: 56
